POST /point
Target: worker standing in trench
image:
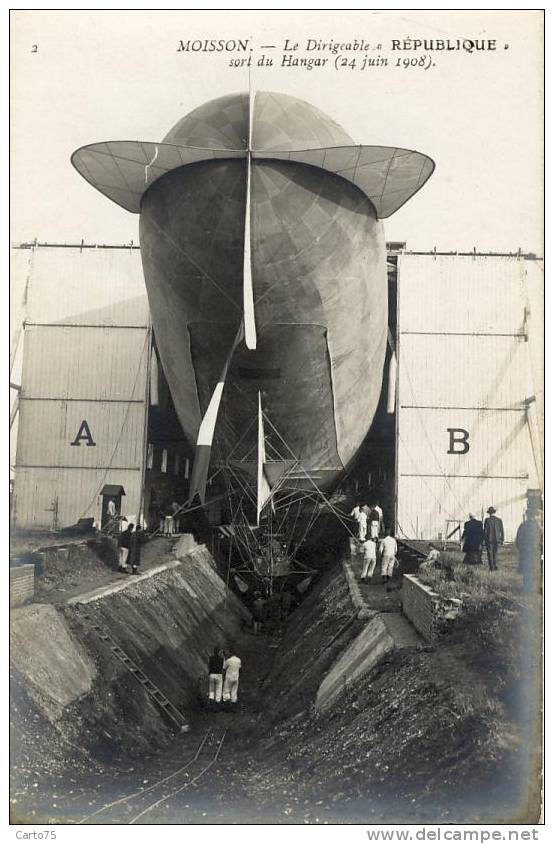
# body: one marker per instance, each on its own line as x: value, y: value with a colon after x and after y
x: 370, y: 559
x: 375, y: 521
x: 258, y: 612
x: 387, y: 549
x: 215, y: 672
x: 361, y: 518
x: 232, y: 667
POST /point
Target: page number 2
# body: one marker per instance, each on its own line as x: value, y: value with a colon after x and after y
x: 34, y: 48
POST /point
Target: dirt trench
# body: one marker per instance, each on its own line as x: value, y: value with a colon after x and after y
x: 405, y: 742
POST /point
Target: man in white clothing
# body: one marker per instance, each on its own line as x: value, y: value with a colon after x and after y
x: 432, y: 557
x: 374, y: 521
x: 232, y: 668
x: 370, y: 559
x: 380, y: 513
x: 362, y: 526
x: 387, y: 549
x: 361, y: 517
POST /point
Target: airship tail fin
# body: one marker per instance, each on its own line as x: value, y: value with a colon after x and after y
x: 206, y: 431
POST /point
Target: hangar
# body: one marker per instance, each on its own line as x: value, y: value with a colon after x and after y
x: 460, y: 419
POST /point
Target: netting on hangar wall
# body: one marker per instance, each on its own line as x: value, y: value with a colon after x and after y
x: 84, y: 376
x: 467, y: 438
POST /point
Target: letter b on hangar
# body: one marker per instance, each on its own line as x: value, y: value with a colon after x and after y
x: 458, y: 441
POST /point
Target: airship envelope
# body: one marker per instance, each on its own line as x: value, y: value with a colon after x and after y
x: 261, y: 212
x: 124, y: 170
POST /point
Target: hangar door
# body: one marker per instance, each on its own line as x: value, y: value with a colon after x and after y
x: 83, y: 408
x: 469, y: 396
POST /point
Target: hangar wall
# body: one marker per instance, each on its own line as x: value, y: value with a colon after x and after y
x: 83, y: 402
x: 468, y: 416
x: 469, y: 362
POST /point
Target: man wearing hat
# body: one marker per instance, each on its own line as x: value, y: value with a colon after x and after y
x: 472, y: 538
x: 493, y: 530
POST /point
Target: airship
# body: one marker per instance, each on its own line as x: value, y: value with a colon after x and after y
x: 264, y: 259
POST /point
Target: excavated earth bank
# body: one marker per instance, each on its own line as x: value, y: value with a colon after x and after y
x: 429, y: 734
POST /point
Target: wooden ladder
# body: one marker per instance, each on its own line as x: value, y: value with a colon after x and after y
x: 149, y: 687
x: 448, y: 534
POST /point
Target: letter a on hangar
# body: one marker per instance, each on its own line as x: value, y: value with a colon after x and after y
x: 83, y: 433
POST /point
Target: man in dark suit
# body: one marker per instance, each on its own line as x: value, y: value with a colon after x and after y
x: 529, y: 549
x: 494, y: 536
x: 472, y: 538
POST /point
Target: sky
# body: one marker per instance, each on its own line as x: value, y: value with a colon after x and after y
x: 80, y: 77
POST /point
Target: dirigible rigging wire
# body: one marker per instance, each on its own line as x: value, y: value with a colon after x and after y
x: 415, y: 465
x: 309, y: 525
x: 249, y: 541
x: 333, y: 509
x: 401, y: 529
x: 191, y: 260
x: 185, y: 508
x: 539, y: 463
x: 424, y: 428
x: 299, y: 500
x: 14, y: 343
x: 227, y: 578
x: 124, y: 423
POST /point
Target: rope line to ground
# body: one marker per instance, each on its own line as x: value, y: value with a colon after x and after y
x: 123, y: 425
x: 183, y: 787
x: 428, y: 438
x: 142, y: 791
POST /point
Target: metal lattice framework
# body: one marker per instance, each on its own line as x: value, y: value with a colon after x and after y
x: 270, y: 549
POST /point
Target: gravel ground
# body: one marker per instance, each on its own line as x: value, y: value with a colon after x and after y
x: 424, y: 737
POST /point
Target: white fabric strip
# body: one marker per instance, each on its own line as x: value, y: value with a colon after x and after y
x: 248, y: 290
x: 264, y: 490
x: 207, y: 426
